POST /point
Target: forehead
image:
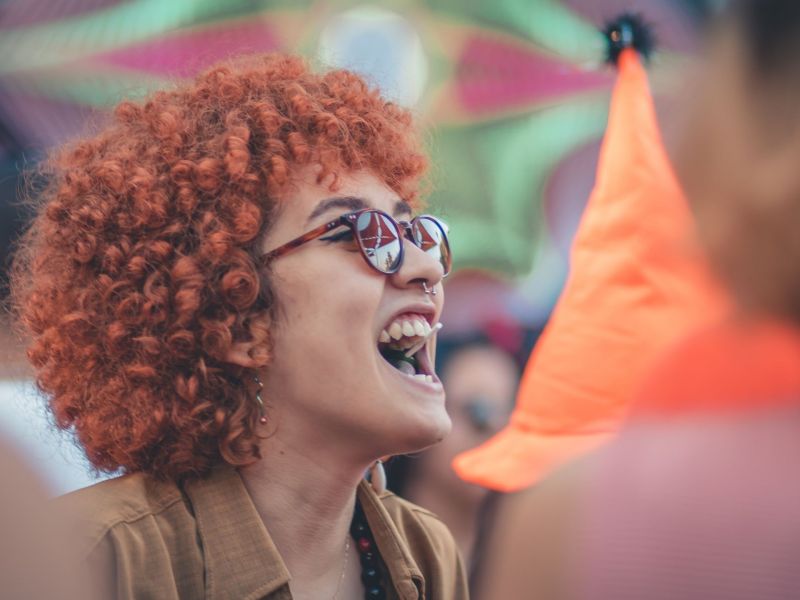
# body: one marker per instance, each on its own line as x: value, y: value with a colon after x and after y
x: 306, y: 198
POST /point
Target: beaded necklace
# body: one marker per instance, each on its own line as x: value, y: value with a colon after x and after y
x: 371, y: 564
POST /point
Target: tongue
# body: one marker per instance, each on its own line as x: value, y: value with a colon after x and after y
x: 399, y: 360
x: 406, y: 367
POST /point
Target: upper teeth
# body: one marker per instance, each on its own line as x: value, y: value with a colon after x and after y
x: 405, y: 327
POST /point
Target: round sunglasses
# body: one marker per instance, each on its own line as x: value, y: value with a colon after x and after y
x: 380, y: 239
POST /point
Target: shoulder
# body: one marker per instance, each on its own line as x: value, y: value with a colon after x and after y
x: 136, y: 524
x: 98, y: 509
x: 431, y: 545
x: 418, y: 525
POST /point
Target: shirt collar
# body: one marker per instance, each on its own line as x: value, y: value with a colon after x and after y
x: 241, y: 560
x: 406, y: 575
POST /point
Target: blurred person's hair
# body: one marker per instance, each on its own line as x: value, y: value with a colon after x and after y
x: 752, y: 238
x: 772, y: 32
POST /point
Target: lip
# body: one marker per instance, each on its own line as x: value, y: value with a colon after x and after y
x: 424, y: 362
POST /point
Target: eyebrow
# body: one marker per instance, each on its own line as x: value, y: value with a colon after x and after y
x: 353, y: 203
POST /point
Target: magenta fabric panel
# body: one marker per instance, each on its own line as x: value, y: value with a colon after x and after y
x: 185, y: 53
x: 493, y: 74
x: 36, y: 12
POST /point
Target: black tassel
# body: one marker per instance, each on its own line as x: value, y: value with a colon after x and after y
x: 629, y: 30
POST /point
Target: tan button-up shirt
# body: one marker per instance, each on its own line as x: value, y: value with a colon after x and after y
x: 155, y: 540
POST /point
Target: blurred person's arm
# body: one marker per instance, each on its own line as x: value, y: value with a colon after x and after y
x: 529, y: 551
x: 37, y: 559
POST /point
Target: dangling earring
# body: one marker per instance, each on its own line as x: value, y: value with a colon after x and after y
x: 262, y: 419
x: 377, y: 477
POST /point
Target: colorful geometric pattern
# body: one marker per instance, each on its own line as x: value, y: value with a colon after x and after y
x: 512, y: 89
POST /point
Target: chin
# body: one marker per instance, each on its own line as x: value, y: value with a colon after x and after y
x: 413, y: 415
x: 412, y: 433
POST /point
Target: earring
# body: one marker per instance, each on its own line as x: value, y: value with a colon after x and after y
x: 262, y: 419
x: 377, y: 477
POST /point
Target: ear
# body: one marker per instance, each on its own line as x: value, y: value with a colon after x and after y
x: 250, y: 354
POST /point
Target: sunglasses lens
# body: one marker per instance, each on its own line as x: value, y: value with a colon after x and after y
x: 430, y: 236
x: 380, y: 240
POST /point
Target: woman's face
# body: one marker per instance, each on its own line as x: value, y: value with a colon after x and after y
x: 327, y: 382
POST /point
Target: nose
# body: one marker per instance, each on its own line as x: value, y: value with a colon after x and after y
x: 418, y: 267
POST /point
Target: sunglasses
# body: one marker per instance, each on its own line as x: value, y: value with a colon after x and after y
x: 380, y: 239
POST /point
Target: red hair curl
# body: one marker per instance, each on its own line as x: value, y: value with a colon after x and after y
x: 138, y: 272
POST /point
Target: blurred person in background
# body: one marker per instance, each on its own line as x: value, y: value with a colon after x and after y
x: 37, y: 557
x: 480, y: 379
x: 699, y: 497
x: 231, y: 301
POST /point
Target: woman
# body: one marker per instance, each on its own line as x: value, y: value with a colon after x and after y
x: 699, y: 497
x: 221, y: 301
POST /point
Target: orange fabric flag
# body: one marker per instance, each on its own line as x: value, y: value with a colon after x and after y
x: 637, y: 284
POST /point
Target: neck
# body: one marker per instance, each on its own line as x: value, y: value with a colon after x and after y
x: 306, y: 501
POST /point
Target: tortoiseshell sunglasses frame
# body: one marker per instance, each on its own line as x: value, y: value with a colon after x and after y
x: 351, y: 220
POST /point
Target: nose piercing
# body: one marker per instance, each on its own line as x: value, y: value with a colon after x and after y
x: 427, y: 290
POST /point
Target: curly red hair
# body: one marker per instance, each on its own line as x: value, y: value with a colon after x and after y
x: 138, y: 272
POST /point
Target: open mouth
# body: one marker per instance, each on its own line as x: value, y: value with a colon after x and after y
x: 404, y: 345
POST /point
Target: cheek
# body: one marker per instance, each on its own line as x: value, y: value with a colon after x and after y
x: 327, y: 311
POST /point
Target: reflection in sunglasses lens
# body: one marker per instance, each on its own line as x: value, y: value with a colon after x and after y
x: 380, y: 239
x: 429, y: 236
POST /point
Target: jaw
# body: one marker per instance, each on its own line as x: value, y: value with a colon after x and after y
x: 419, y: 417
x: 365, y: 407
